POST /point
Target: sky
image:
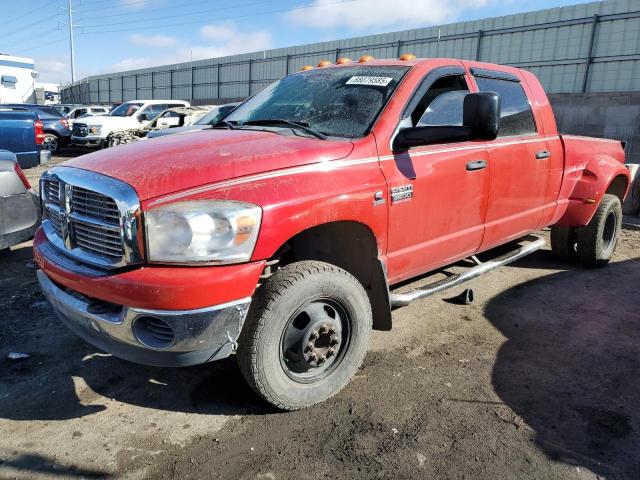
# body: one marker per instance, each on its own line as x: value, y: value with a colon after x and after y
x: 116, y: 35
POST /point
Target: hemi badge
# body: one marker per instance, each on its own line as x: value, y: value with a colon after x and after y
x: 401, y: 194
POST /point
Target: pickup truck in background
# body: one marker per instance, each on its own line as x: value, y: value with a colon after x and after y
x: 21, y: 133
x: 95, y: 131
x: 57, y: 133
x: 282, y: 233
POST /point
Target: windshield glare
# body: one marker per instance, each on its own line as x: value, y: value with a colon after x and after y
x: 125, y: 110
x: 214, y: 115
x: 342, y: 101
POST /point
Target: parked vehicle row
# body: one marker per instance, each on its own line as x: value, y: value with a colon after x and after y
x: 95, y: 131
x: 55, y: 126
x: 22, y: 133
x: 280, y: 233
x: 174, y: 120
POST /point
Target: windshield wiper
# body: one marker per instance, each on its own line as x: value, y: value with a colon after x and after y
x: 224, y: 123
x: 297, y: 125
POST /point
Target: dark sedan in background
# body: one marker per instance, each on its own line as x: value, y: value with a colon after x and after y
x: 56, y: 129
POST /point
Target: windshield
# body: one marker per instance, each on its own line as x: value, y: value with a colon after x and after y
x: 215, y: 115
x: 341, y: 102
x: 125, y: 110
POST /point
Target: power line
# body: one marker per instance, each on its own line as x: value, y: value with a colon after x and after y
x: 32, y: 39
x: 146, y: 12
x: 27, y: 13
x: 197, y: 12
x: 24, y: 27
x: 225, y: 18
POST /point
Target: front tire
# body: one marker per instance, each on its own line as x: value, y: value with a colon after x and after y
x: 597, y: 241
x: 306, y: 334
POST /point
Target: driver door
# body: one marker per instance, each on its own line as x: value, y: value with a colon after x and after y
x: 438, y: 193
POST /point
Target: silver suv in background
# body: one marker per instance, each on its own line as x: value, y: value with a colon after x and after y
x: 19, y: 204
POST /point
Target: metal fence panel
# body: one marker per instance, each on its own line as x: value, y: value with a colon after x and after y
x: 590, y: 47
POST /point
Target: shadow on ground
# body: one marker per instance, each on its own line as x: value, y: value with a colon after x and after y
x: 61, y: 363
x: 34, y: 463
x: 570, y: 365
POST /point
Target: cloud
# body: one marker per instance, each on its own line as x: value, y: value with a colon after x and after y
x: 152, y: 40
x: 220, y: 31
x: 219, y: 40
x: 362, y: 14
x: 52, y: 69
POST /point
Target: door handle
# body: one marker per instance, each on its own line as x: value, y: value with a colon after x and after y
x: 543, y: 154
x: 476, y: 165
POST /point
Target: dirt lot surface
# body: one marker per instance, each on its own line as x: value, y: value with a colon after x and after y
x: 537, y: 379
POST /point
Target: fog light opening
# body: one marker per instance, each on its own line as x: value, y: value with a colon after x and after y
x: 153, y: 332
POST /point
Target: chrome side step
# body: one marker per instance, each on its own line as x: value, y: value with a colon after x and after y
x: 402, y: 299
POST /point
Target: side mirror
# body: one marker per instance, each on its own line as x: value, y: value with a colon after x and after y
x: 482, y: 114
x: 143, y: 117
x: 481, y: 120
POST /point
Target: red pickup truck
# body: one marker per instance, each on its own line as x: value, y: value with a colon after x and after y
x: 279, y: 233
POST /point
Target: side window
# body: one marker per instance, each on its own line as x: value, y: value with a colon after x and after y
x: 155, y: 110
x: 79, y: 112
x: 442, y: 104
x: 516, y: 117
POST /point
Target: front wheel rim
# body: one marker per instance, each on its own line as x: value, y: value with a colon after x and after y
x: 314, y: 341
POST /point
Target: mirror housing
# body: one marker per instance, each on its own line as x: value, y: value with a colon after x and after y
x: 481, y: 120
x: 143, y: 117
x: 482, y: 114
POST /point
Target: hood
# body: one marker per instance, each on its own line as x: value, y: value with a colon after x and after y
x: 104, y: 120
x: 177, y: 162
x: 170, y: 131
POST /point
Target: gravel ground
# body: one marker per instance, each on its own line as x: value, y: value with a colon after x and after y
x: 538, y: 379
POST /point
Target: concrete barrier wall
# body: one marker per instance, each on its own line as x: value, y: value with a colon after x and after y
x: 608, y: 115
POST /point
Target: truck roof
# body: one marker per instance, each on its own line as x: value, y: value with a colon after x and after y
x: 418, y: 61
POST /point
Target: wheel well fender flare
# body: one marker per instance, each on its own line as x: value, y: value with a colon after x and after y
x: 352, y: 246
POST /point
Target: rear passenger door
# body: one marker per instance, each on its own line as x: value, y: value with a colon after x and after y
x: 518, y: 162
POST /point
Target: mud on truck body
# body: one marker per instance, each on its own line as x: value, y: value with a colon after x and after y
x: 280, y: 234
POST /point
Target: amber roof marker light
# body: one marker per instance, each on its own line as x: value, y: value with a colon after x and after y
x: 343, y: 60
x: 324, y: 63
x: 306, y: 67
x: 407, y: 56
x: 366, y: 58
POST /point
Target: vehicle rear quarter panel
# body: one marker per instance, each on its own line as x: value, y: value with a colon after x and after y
x: 591, y: 165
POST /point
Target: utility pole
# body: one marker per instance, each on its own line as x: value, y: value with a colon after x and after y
x: 72, y: 51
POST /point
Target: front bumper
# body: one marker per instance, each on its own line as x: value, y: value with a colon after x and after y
x: 167, y: 338
x: 87, y: 141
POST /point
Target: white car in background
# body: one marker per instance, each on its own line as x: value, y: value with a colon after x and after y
x: 95, y: 131
x: 81, y: 111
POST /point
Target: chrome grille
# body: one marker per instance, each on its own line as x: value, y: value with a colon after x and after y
x: 101, y: 240
x: 83, y: 219
x: 54, y: 217
x: 80, y: 130
x: 92, y: 204
x: 51, y: 191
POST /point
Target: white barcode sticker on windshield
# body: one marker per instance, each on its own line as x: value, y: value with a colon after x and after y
x: 362, y: 80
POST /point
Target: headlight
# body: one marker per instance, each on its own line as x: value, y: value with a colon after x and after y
x: 96, y: 129
x: 208, y: 231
